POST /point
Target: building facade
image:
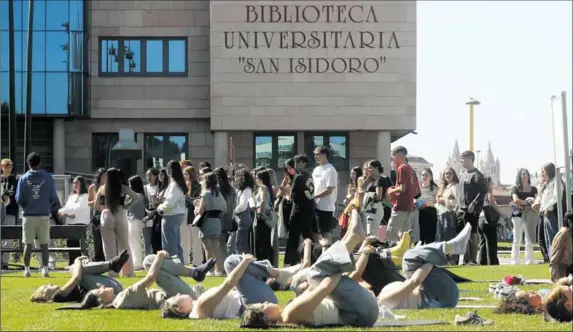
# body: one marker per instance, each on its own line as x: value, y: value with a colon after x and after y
x: 251, y: 82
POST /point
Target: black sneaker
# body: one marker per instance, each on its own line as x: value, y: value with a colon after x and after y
x: 471, y: 318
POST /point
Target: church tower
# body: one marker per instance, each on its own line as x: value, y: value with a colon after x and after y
x: 454, y: 159
x: 489, y: 166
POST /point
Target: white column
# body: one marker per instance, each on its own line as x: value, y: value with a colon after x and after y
x: 220, y: 149
x: 59, y: 147
x: 383, y: 150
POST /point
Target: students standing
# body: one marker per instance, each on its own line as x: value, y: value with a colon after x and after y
x: 76, y: 212
x: 9, y: 208
x: 99, y: 180
x: 135, y: 225
x: 325, y: 179
x: 36, y: 193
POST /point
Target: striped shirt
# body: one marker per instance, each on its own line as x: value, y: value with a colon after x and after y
x: 428, y: 194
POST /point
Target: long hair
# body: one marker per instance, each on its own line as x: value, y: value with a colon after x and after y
x: 83, y: 185
x: 209, y: 182
x: 244, y: 179
x: 113, y: 189
x: 374, y: 163
x: 162, y: 184
x: 265, y: 177
x: 358, y: 171
x: 155, y: 172
x: 518, y: 181
x: 177, y: 175
x: 432, y: 182
x: 223, y: 181
x: 192, y: 175
x: 98, y: 175
x: 122, y: 177
x: 136, y: 184
x: 273, y: 176
x: 444, y: 183
x: 289, y: 162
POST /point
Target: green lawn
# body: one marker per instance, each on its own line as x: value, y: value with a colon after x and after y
x: 18, y: 313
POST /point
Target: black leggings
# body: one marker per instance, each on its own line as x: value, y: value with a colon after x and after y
x: 487, y: 250
x: 428, y: 221
x: 301, y: 226
x: 263, y: 246
x: 98, y: 245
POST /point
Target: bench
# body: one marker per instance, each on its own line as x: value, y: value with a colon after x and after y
x: 67, y: 232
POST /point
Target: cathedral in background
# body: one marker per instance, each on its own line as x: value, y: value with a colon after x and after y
x: 488, y: 165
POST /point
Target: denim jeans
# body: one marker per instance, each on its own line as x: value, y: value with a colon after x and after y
x: 252, y: 284
x: 239, y: 242
x: 357, y: 306
x: 550, y: 228
x: 92, y: 277
x: 168, y: 278
x: 171, y: 234
x: 439, y: 289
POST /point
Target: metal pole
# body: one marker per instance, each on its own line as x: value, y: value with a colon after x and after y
x: 557, y: 178
x: 28, y: 119
x: 471, y: 127
x: 567, y: 159
x: 12, y: 83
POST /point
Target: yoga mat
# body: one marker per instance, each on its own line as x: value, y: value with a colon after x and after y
x: 469, y: 298
x: 538, y: 281
x: 476, y: 306
x: 400, y: 323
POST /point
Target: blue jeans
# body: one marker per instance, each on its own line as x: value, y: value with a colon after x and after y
x: 439, y: 290
x: 147, y: 232
x: 357, y: 306
x: 550, y: 228
x: 238, y: 242
x: 252, y: 284
x: 171, y: 234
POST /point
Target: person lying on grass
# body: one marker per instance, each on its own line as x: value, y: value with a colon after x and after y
x: 330, y: 298
x: 557, y: 306
x: 427, y: 285
x: 245, y: 284
x: 86, y: 276
x: 139, y: 296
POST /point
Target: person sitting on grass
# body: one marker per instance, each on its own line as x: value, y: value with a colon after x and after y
x: 427, y: 285
x: 561, y: 260
x: 556, y: 306
x: 330, y: 298
x: 163, y: 269
x: 245, y: 284
x: 86, y: 276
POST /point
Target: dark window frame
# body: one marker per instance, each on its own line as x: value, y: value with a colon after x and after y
x: 326, y: 142
x: 103, y: 133
x: 165, y: 140
x: 143, y: 57
x: 274, y: 146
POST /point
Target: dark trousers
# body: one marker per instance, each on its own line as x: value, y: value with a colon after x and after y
x: 98, y: 245
x: 487, y: 250
x: 156, y: 243
x: 541, y: 240
x: 301, y: 226
x: 263, y: 245
x: 428, y: 222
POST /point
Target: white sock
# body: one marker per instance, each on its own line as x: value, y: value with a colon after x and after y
x: 286, y: 273
x: 27, y: 269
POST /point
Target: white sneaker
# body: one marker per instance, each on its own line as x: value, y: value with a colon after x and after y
x: 45, y: 273
x: 210, y: 274
x: 26, y: 272
x: 52, y: 266
x: 219, y: 274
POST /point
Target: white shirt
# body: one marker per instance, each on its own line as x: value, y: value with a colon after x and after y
x: 326, y: 313
x: 229, y: 307
x: 548, y: 196
x: 451, y: 190
x: 174, y: 200
x: 243, y: 199
x: 325, y: 176
x: 77, y: 205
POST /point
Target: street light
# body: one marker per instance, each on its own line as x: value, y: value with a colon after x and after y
x: 477, y: 159
x: 472, y: 102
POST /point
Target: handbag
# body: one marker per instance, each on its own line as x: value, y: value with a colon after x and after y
x: 491, y: 215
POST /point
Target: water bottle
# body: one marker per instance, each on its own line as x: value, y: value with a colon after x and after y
x: 514, y: 209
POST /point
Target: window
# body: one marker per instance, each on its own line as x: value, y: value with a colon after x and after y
x: 159, y: 149
x: 102, y: 143
x: 143, y: 57
x: 338, y: 144
x: 272, y: 150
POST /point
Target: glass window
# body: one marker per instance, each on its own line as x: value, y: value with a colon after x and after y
x: 5, y: 92
x: 338, y: 152
x: 153, y: 151
x: 57, y: 46
x: 38, y: 93
x: 263, y: 151
x: 76, y: 51
x: 177, y: 58
x: 76, y: 15
x: 20, y: 92
x: 176, y: 148
x: 109, y: 53
x: 4, y: 13
x: 132, y: 56
x: 58, y: 12
x: 39, y: 51
x: 57, y: 93
x: 39, y: 15
x: 286, y: 149
x: 154, y: 56
x: 4, y: 52
x: 20, y: 14
x: 101, y: 149
x: 20, y: 50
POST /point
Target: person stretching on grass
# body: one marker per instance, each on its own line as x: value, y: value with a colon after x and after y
x: 163, y: 269
x: 86, y: 276
x: 427, y: 286
x: 330, y: 298
x: 556, y: 306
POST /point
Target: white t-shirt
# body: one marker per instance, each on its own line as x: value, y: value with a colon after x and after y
x: 323, y: 177
x: 229, y: 307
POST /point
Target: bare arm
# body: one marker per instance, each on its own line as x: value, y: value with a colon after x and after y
x: 566, y: 281
x: 206, y: 304
x: 98, y: 205
x: 77, y: 272
x: 151, y: 276
x: 400, y: 294
x: 299, y: 310
x: 263, y: 194
x: 91, y: 196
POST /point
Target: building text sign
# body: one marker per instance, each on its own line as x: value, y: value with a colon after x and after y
x: 328, y: 26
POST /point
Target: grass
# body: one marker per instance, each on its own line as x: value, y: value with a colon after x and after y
x: 18, y: 313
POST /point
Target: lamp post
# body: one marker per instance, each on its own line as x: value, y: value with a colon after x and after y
x: 477, y: 159
x: 472, y: 102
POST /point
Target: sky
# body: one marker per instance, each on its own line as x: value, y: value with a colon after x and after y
x: 512, y: 56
